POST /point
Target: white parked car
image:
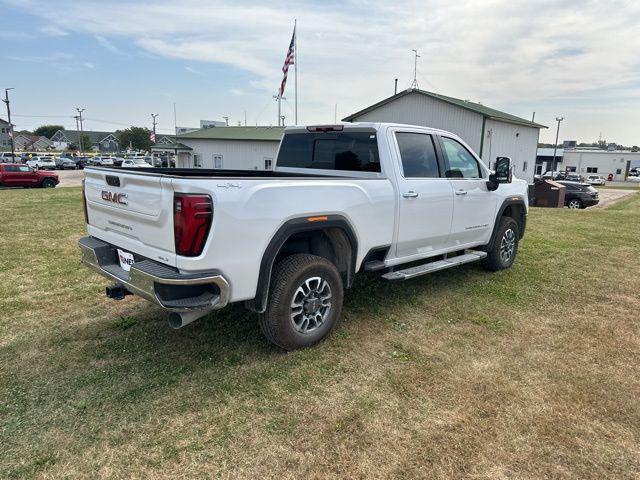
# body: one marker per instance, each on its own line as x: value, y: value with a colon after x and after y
x: 43, y: 163
x: 595, y: 180
x: 103, y: 161
x: 400, y: 200
x: 8, y: 157
x: 134, y: 163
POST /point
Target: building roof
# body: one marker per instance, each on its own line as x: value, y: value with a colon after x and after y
x: 483, y: 110
x: 95, y: 136
x: 548, y: 152
x: 273, y: 134
x: 3, y: 121
x: 171, y: 146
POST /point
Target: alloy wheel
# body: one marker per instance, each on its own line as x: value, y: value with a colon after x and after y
x: 507, y: 245
x: 311, y: 305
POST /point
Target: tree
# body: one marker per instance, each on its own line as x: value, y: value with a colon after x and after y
x: 47, y: 130
x: 87, y: 144
x: 136, y: 137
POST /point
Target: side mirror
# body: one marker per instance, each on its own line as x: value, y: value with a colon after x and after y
x: 502, y: 174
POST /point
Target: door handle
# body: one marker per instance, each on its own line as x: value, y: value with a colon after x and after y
x: 461, y: 192
x: 410, y: 194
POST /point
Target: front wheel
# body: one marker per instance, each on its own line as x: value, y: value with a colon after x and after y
x: 574, y: 203
x: 48, y: 183
x: 505, y: 247
x: 305, y: 302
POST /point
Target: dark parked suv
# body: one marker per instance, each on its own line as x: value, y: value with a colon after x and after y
x: 579, y: 195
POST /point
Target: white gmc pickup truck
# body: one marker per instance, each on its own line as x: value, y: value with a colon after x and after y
x: 397, y: 199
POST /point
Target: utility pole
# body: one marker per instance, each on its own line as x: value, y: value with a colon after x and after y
x: 555, y: 146
x: 395, y: 88
x: 175, y: 120
x: 335, y: 113
x: 226, y: 120
x: 80, y: 110
x: 282, y: 118
x: 77, y: 125
x: 245, y: 118
x: 414, y: 84
x: 6, y: 100
x: 154, y: 116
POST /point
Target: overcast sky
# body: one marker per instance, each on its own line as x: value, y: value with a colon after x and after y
x: 123, y: 61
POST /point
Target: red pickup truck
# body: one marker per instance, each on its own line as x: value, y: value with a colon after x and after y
x: 16, y: 175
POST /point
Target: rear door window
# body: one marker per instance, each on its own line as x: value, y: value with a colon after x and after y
x: 350, y: 151
x: 418, y: 155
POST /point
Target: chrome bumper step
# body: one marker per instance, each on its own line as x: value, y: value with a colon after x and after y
x: 425, y: 268
x: 158, y: 283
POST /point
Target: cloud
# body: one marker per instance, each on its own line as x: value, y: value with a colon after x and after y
x: 59, y: 60
x: 237, y: 91
x: 108, y: 45
x: 193, y: 70
x: 502, y: 53
x: 53, y: 31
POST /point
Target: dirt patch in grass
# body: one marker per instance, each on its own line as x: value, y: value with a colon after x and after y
x: 527, y: 373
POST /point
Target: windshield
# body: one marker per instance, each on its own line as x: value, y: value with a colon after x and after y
x: 139, y: 161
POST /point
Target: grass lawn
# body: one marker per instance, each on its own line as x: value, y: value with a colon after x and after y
x: 532, y: 372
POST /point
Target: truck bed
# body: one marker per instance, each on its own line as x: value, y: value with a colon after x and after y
x: 218, y: 173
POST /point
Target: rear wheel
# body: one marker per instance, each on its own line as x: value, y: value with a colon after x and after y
x: 574, y: 203
x: 505, y: 247
x: 305, y: 302
x: 48, y: 183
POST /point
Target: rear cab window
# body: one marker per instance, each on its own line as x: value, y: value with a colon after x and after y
x: 347, y: 150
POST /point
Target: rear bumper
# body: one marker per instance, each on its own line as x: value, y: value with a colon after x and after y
x: 156, y: 282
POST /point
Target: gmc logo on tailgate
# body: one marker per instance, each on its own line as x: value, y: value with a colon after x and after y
x: 120, y: 198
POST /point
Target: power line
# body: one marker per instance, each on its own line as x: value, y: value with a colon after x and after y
x: 45, y: 116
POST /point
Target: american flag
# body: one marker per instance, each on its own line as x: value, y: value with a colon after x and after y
x: 11, y: 132
x: 152, y: 137
x: 288, y: 61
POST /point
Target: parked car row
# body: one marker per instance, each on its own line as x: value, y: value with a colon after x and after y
x: 46, y: 162
x: 574, y: 177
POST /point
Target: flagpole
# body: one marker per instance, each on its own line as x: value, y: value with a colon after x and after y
x: 295, y: 66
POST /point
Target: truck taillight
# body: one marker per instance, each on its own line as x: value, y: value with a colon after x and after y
x: 192, y: 215
x: 84, y: 204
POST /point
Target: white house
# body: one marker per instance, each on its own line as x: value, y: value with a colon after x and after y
x: 230, y: 148
x: 489, y: 132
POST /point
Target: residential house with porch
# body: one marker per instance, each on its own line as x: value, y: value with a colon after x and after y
x: 100, y: 141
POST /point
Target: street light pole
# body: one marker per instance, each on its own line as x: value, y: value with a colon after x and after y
x: 555, y: 146
x: 80, y: 110
x: 154, y: 116
x: 6, y: 100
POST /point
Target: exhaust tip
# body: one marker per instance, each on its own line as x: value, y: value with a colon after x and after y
x: 175, y: 320
x: 178, y: 320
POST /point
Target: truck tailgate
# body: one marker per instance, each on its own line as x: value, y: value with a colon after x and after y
x: 131, y: 210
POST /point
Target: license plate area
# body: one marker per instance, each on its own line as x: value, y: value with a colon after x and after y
x: 125, y: 259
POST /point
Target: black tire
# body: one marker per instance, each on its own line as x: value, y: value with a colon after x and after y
x: 507, y: 234
x: 575, y: 204
x: 280, y: 324
x: 48, y: 183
